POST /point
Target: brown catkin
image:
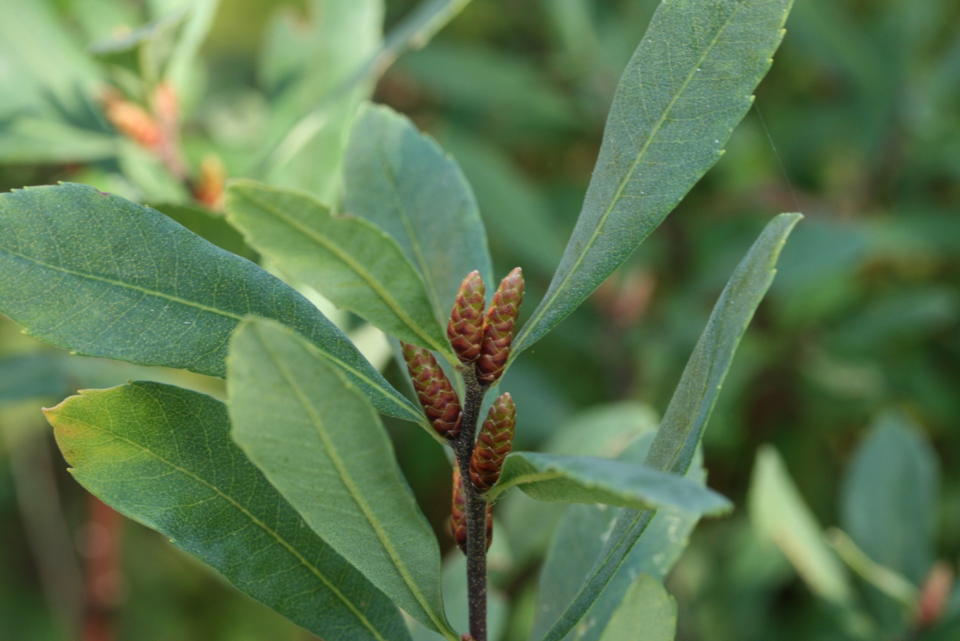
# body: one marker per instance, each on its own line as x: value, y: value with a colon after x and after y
x: 465, y: 329
x: 437, y: 396
x: 498, y: 327
x: 494, y: 443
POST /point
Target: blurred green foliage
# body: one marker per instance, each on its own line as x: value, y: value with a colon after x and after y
x: 860, y: 130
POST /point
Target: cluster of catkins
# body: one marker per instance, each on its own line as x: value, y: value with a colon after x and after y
x: 481, y: 341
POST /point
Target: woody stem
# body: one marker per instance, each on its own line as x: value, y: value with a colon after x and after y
x: 476, y: 506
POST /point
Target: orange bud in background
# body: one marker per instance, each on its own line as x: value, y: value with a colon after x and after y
x: 131, y: 120
x: 465, y: 329
x: 166, y: 105
x: 934, y: 595
x: 434, y: 391
x: 494, y: 443
x: 498, y: 327
x: 209, y: 188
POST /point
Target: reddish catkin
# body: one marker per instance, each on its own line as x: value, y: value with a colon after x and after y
x: 498, y: 327
x: 465, y: 329
x: 436, y: 394
x: 132, y: 120
x: 458, y: 514
x: 496, y: 439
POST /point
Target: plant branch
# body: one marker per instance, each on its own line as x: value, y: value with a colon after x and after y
x: 476, y: 506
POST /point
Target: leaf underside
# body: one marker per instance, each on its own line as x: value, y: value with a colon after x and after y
x: 401, y: 180
x: 686, y: 417
x: 102, y: 276
x: 163, y: 456
x: 347, y: 259
x: 324, y: 448
x: 593, y: 479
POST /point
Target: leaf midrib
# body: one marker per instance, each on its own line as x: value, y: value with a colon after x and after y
x: 433, y: 292
x: 414, y: 416
x: 352, y: 264
x: 542, y: 309
x: 353, y: 490
x: 523, y: 479
x: 120, y: 283
x: 263, y: 526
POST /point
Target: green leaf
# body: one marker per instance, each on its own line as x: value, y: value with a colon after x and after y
x: 209, y: 225
x: 454, y: 578
x: 306, y: 67
x: 163, y: 456
x: 686, y: 417
x: 593, y: 479
x: 403, y: 182
x: 580, y: 540
x: 144, y: 50
x: 322, y: 445
x: 102, y: 276
x: 685, y: 89
x: 513, y: 206
x: 601, y: 431
x: 780, y: 515
x: 39, y: 140
x: 45, y: 74
x: 345, y: 258
x: 890, y: 497
x: 648, y: 613
x: 183, y: 62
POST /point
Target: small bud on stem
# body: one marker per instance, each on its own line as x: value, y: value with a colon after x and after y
x: 465, y: 329
x: 458, y: 514
x: 498, y: 327
x: 496, y: 439
x: 436, y: 394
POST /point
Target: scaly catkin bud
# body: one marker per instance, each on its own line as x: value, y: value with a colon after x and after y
x: 458, y: 514
x: 436, y: 394
x: 465, y: 329
x: 496, y: 439
x: 498, y: 327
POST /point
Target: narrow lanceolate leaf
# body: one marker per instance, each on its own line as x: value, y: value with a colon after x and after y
x: 102, y: 276
x: 890, y: 497
x: 593, y: 479
x: 780, y: 516
x: 647, y: 613
x: 685, y: 89
x: 686, y: 417
x: 347, y: 259
x: 322, y: 445
x: 584, y: 528
x: 163, y: 456
x: 402, y: 181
